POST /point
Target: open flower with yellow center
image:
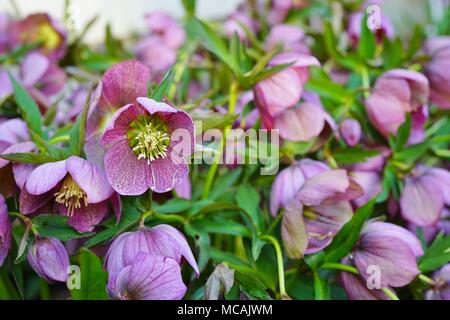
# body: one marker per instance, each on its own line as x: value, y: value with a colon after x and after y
x: 147, y: 142
x: 42, y: 29
x: 76, y: 187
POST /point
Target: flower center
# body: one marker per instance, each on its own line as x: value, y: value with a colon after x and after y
x: 149, y: 138
x: 71, y: 195
x: 48, y: 36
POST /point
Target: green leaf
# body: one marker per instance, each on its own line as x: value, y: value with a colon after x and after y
x: 320, y: 83
x: 162, y: 88
x: 321, y: 287
x: 403, y: 133
x: 436, y: 255
x: 393, y: 53
x: 55, y: 226
x: 28, y: 158
x: 251, y: 285
x: 46, y: 148
x: 214, y: 121
x: 28, y: 108
x: 78, y: 132
x: 367, y: 42
x: 353, y: 155
x: 175, y: 205
x: 93, y: 278
x: 190, y: 6
x: 346, y: 238
x: 221, y: 226
x: 248, y: 199
x: 224, y: 183
x: 410, y: 154
x: 200, y: 30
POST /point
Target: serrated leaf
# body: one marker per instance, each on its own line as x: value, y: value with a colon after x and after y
x: 367, y: 41
x: 353, y: 155
x: 28, y: 158
x: 436, y: 255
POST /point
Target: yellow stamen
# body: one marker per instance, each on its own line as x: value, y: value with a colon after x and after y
x: 71, y: 195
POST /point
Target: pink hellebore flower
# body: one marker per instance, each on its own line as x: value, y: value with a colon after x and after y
x: 5, y: 231
x: 148, y: 141
x: 78, y: 188
x: 391, y: 249
x: 234, y: 25
x: 43, y: 29
x: 5, y: 25
x: 425, y: 195
x: 132, y: 254
x: 282, y: 90
x: 119, y: 86
x: 386, y: 28
x: 438, y: 48
x: 396, y: 93
x: 49, y: 258
x: 317, y: 205
x: 290, y: 37
x: 441, y: 288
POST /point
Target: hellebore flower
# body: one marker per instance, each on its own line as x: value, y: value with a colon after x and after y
x: 350, y: 130
x: 396, y: 93
x: 39, y: 76
x: 49, y: 258
x: 43, y: 29
x: 13, y: 139
x: 162, y: 240
x: 438, y: 48
x: 391, y: 249
x: 145, y: 148
x: 234, y: 25
x: 317, y: 205
x: 120, y: 85
x: 148, y: 277
x: 386, y: 28
x: 370, y: 182
x: 79, y: 189
x: 441, y: 288
x: 5, y: 25
x: 290, y: 37
x: 425, y: 195
x: 5, y: 231
x: 282, y: 90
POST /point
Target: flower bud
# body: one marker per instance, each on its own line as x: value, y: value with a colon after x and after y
x: 5, y: 231
x: 350, y: 130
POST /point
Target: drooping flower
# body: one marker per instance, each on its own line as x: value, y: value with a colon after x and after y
x: 350, y: 130
x: 14, y: 138
x: 290, y: 37
x: 163, y: 240
x: 5, y: 231
x: 148, y: 277
x: 119, y: 86
x: 282, y: 90
x: 148, y: 142
x: 385, y: 27
x: 389, y: 248
x: 441, y: 289
x: 40, y: 77
x: 42, y: 29
x: 317, y: 205
x: 49, y: 258
x: 78, y: 188
x: 234, y: 23
x: 396, y: 93
x: 425, y: 194
x: 438, y: 48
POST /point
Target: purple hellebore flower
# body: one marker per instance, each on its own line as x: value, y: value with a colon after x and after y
x: 148, y: 277
x: 49, y: 258
x: 165, y: 26
x: 350, y: 131
x: 290, y: 37
x: 5, y: 25
x: 5, y: 231
x: 425, y: 195
x: 120, y: 85
x: 39, y: 76
x: 42, y: 28
x: 14, y: 139
x: 282, y: 90
x: 390, y: 248
x: 354, y: 28
x: 317, y: 205
x: 78, y: 187
x: 396, y: 93
x: 438, y: 48
x: 234, y: 25
x: 357, y: 289
x: 145, y: 148
x: 163, y: 240
x: 370, y: 182
x: 441, y: 289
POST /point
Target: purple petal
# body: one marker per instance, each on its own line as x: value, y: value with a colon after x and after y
x: 350, y: 130
x: 370, y: 183
x: 5, y: 231
x: 323, y: 186
x: 46, y: 177
x: 293, y: 232
x: 356, y: 288
x: 13, y: 131
x: 421, y: 201
x: 153, y: 107
x: 126, y: 174
x: 165, y: 174
x: 301, y: 123
x: 23, y: 147
x: 85, y: 219
x: 90, y: 179
x: 120, y: 123
x: 442, y: 179
x: 30, y: 203
x: 184, y: 189
x: 33, y: 68
x: 21, y: 173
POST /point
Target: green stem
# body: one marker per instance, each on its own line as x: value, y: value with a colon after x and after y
x: 390, y: 294
x: 365, y: 81
x: 215, y: 165
x: 280, y: 264
x: 427, y: 280
x: 170, y: 217
x: 59, y: 139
